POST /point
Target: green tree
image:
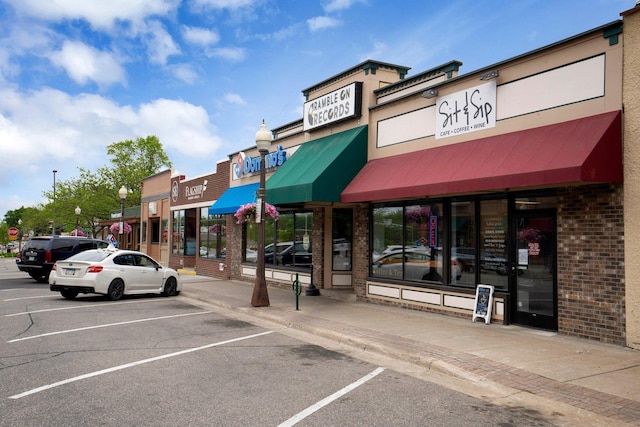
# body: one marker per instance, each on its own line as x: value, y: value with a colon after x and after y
x: 96, y: 192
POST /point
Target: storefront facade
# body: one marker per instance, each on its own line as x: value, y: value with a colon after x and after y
x: 154, y: 231
x: 198, y: 240
x: 411, y: 191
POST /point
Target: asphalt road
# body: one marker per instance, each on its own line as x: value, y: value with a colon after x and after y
x: 154, y: 361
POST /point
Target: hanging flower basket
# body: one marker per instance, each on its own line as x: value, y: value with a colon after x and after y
x: 248, y: 212
x: 115, y: 228
x: 78, y: 233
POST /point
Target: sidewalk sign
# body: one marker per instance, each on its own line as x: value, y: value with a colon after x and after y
x: 484, y: 303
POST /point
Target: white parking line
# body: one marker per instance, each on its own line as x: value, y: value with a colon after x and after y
x: 324, y: 402
x: 39, y: 296
x: 130, y: 365
x: 23, y: 313
x: 86, y: 328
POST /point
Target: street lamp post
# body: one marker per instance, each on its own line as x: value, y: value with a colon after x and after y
x: 123, y: 195
x: 260, y: 296
x: 53, y: 207
x: 20, y: 234
x: 78, y: 212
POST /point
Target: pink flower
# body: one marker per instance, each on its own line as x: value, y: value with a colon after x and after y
x: 248, y: 211
x: 115, y: 228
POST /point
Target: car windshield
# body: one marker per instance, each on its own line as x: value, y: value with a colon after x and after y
x: 37, y: 244
x: 91, y: 256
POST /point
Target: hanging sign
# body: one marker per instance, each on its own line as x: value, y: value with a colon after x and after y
x: 483, y: 304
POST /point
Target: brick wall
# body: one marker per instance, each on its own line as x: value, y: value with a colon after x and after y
x: 317, y: 241
x: 591, y: 287
x: 360, y: 249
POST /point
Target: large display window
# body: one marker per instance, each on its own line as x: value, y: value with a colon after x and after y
x: 288, y: 241
x: 407, y: 243
x: 213, y: 235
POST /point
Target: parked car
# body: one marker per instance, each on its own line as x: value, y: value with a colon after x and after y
x: 40, y: 253
x: 418, y: 265
x: 288, y: 254
x: 113, y: 272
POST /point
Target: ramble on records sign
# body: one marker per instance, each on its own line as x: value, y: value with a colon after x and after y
x: 343, y: 103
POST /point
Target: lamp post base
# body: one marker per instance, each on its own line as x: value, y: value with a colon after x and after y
x: 260, y: 296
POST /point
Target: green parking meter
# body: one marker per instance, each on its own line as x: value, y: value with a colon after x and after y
x: 297, y: 289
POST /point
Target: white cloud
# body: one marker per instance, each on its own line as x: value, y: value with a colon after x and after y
x: 84, y: 63
x: 200, y: 36
x: 51, y: 127
x: 234, y: 54
x: 334, y: 5
x: 224, y: 4
x: 322, y: 23
x: 100, y: 14
x: 181, y: 127
x: 234, y: 98
x: 185, y: 73
x: 160, y: 44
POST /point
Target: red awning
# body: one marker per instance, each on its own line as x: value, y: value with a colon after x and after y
x: 587, y: 150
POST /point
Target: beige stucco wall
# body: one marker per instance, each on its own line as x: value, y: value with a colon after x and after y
x: 631, y: 101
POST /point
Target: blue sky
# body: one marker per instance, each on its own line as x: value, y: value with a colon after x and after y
x: 78, y: 75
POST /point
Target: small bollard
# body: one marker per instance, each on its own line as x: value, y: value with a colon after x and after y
x: 297, y: 289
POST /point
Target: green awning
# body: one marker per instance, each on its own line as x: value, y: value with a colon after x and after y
x: 319, y: 170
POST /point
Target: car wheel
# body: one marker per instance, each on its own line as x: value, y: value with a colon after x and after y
x: 170, y: 287
x: 69, y: 293
x: 39, y: 277
x: 116, y: 290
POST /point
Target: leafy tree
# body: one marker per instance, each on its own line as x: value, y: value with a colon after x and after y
x: 96, y: 192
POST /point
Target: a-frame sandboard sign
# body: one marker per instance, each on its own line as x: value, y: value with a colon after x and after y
x: 483, y: 305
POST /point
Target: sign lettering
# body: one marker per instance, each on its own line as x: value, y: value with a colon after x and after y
x: 467, y: 111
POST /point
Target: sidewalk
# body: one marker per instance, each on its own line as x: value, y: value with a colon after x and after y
x: 599, y: 382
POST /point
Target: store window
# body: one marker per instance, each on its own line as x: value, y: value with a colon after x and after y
x: 144, y: 232
x: 177, y: 234
x: 342, y: 232
x: 165, y: 231
x: 407, y: 242
x: 493, y: 242
x: 184, y: 232
x: 190, y: 231
x: 155, y: 231
x: 213, y: 236
x: 463, y: 242
x: 287, y: 241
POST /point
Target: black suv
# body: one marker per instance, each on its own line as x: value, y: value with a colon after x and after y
x: 40, y: 253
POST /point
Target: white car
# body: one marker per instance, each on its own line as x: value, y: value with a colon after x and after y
x: 114, y: 273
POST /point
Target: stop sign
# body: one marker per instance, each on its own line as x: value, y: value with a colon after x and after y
x: 13, y: 233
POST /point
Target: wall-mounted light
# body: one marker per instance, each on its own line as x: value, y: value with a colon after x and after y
x: 430, y: 93
x: 493, y: 74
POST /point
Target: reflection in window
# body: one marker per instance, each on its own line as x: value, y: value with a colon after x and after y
x: 463, y: 241
x: 177, y: 234
x: 407, y: 243
x: 493, y: 243
x: 213, y: 235
x: 342, y: 232
x: 292, y: 245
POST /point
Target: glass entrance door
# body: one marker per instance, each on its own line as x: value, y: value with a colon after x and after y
x: 535, y: 274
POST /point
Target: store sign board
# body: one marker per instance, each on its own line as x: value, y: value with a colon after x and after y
x: 467, y: 111
x: 247, y: 165
x: 343, y: 103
